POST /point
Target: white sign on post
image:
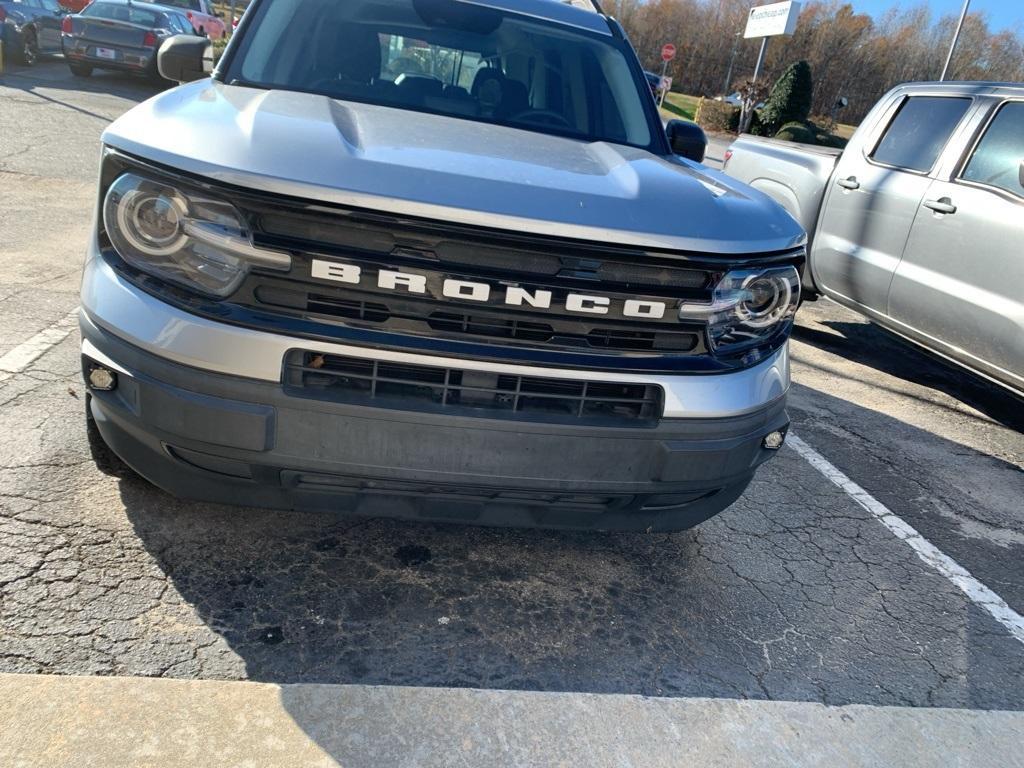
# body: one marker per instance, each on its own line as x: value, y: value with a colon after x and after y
x: 774, y: 19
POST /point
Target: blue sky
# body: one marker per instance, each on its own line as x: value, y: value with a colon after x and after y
x: 1001, y: 13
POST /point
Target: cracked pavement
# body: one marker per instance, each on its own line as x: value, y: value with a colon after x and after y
x: 794, y: 593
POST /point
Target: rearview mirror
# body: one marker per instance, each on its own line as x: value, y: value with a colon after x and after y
x: 687, y: 139
x: 184, y: 58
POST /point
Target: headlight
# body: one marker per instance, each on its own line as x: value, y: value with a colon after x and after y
x: 748, y: 306
x: 183, y: 237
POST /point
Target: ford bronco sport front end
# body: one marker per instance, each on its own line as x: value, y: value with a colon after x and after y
x: 434, y: 259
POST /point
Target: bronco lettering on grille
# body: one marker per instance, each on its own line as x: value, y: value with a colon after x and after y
x: 470, y: 290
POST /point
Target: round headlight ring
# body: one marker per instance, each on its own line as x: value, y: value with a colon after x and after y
x: 151, y: 220
x: 764, y: 313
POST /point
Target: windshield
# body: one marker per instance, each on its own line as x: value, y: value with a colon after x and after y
x: 449, y: 58
x: 118, y: 12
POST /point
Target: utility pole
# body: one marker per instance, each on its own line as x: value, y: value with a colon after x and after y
x: 732, y: 58
x: 956, y: 37
x: 747, y: 113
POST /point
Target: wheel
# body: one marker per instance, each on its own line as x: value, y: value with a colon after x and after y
x: 80, y: 70
x: 29, y: 48
x: 107, y: 462
x: 202, y: 32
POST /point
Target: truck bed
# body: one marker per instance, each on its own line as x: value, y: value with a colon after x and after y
x: 794, y: 175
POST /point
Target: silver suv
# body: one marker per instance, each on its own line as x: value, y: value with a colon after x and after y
x: 434, y: 259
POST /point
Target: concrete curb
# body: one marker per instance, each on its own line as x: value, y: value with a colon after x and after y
x: 112, y: 722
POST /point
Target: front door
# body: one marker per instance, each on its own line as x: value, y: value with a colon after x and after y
x: 48, y: 24
x: 867, y: 214
x: 961, y: 280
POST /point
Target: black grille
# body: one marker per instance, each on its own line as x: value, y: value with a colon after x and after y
x: 405, y: 314
x: 666, y: 341
x: 483, y: 325
x: 356, y: 380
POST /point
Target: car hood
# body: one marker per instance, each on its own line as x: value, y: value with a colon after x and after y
x: 450, y: 169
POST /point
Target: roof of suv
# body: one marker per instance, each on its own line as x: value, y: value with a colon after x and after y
x: 964, y: 87
x: 584, y: 14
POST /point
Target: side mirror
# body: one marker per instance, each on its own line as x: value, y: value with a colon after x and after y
x: 687, y: 139
x: 184, y: 58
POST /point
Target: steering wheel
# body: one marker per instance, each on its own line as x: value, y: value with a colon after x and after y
x: 543, y: 116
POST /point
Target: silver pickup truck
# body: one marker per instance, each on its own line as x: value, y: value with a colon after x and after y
x: 436, y: 259
x: 919, y: 222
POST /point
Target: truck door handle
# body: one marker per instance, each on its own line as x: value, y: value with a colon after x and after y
x: 849, y: 183
x: 942, y: 205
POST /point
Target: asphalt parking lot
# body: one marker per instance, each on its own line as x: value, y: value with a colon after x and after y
x: 798, y: 592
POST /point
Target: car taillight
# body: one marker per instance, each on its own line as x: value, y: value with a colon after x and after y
x: 149, y: 41
x: 65, y: 25
x: 727, y: 158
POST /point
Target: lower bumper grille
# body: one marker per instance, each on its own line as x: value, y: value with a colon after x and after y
x: 355, y: 380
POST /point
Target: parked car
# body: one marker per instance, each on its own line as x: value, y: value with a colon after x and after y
x: 74, y: 6
x: 388, y: 260
x: 200, y: 13
x: 735, y: 99
x: 120, y: 35
x: 30, y: 28
x: 918, y: 223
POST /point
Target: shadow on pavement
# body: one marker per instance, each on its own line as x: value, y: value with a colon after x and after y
x: 53, y: 73
x: 873, y: 346
x: 794, y: 593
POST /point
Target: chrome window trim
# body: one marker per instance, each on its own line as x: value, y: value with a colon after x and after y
x: 891, y: 115
x: 965, y: 159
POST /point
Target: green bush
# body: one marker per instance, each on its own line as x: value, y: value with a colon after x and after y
x: 798, y: 132
x: 718, y: 116
x: 757, y: 126
x: 790, y: 97
x: 831, y: 140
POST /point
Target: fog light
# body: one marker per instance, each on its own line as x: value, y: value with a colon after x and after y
x: 102, y: 379
x: 774, y: 440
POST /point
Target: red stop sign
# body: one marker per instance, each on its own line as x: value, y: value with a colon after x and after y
x: 668, y: 52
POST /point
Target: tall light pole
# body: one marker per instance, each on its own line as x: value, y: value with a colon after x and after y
x: 732, y: 58
x: 956, y: 36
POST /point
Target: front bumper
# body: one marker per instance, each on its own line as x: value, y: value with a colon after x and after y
x: 200, y: 430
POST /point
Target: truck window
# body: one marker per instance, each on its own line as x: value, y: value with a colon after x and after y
x: 919, y: 131
x: 997, y: 158
x: 491, y: 66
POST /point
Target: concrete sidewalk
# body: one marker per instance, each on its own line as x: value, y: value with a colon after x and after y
x: 112, y: 722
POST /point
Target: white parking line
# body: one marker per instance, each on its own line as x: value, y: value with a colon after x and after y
x: 23, y: 355
x: 977, y: 592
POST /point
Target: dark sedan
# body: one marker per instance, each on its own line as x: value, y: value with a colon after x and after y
x: 30, y: 28
x: 110, y: 34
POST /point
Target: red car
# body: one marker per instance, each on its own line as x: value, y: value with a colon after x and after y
x: 204, y: 19
x: 75, y: 6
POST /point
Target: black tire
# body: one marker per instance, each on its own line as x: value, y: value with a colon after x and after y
x: 106, y: 461
x: 80, y: 70
x: 29, y: 47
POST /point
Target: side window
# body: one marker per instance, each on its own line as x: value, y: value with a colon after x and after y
x: 919, y: 131
x: 997, y: 159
